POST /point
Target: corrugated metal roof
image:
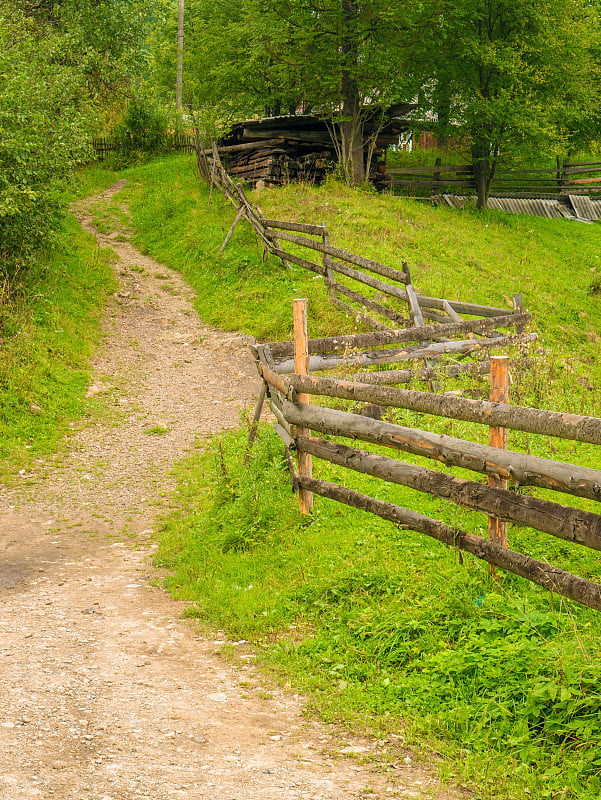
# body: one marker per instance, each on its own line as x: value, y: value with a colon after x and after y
x: 584, y: 207
x: 575, y: 207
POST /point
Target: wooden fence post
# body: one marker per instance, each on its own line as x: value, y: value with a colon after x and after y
x: 436, y: 176
x: 499, y: 393
x: 564, y: 177
x: 327, y: 262
x: 301, y: 363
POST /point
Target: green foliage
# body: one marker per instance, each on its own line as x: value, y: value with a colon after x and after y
x: 105, y: 39
x: 514, y: 74
x: 58, y: 64
x: 42, y: 135
x: 142, y: 134
x: 275, y: 57
x: 102, y: 39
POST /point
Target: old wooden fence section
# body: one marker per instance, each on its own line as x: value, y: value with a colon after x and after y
x: 566, y: 178
x: 380, y: 296
x: 285, y: 368
x: 179, y: 142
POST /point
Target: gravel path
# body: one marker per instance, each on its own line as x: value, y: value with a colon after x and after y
x: 105, y: 693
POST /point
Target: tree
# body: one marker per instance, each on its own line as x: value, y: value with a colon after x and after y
x: 42, y: 135
x: 180, y: 56
x: 335, y: 56
x: 348, y: 58
x: 515, y: 73
x: 58, y: 63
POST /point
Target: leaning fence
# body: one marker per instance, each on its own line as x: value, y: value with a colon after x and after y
x: 349, y: 277
x: 289, y: 386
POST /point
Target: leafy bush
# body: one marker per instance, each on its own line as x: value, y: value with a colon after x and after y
x: 42, y: 134
x: 141, y: 134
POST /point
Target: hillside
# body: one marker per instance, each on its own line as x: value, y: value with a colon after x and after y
x: 388, y: 630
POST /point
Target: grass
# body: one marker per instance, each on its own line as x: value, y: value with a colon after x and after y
x: 461, y: 255
x: 48, y: 331
x: 386, y: 629
x: 390, y: 631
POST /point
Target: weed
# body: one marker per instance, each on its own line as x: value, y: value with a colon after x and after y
x: 594, y: 288
x: 156, y: 430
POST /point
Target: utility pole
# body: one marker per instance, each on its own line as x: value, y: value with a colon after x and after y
x: 180, y: 56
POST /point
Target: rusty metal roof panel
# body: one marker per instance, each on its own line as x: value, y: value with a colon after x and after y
x: 582, y: 206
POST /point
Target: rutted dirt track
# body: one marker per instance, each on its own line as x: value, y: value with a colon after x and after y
x: 105, y: 694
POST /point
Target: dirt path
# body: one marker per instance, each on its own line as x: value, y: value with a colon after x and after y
x: 105, y: 694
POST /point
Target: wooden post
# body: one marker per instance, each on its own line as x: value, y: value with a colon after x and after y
x: 563, y: 188
x: 327, y: 262
x: 255, y: 422
x: 301, y: 363
x: 518, y: 308
x: 436, y: 174
x: 231, y: 230
x: 499, y: 393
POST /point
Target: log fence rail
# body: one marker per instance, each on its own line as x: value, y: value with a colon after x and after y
x: 566, y: 178
x: 298, y: 421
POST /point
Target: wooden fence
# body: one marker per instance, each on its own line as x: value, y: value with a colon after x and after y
x: 173, y: 141
x: 566, y: 178
x: 350, y: 278
x: 290, y: 389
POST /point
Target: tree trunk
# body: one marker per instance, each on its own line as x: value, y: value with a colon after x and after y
x: 352, y: 125
x: 180, y: 56
x: 443, y: 113
x: 481, y: 164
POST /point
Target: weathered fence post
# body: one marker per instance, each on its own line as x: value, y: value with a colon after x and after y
x: 499, y: 393
x: 563, y: 188
x: 518, y: 308
x: 327, y: 262
x: 301, y: 364
x: 436, y: 176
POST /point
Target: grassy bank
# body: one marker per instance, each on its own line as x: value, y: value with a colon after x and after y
x: 48, y: 330
x: 460, y: 255
x: 386, y: 628
x: 391, y: 631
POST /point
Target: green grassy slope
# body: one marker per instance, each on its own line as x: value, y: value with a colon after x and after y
x: 387, y: 628
x: 48, y: 332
